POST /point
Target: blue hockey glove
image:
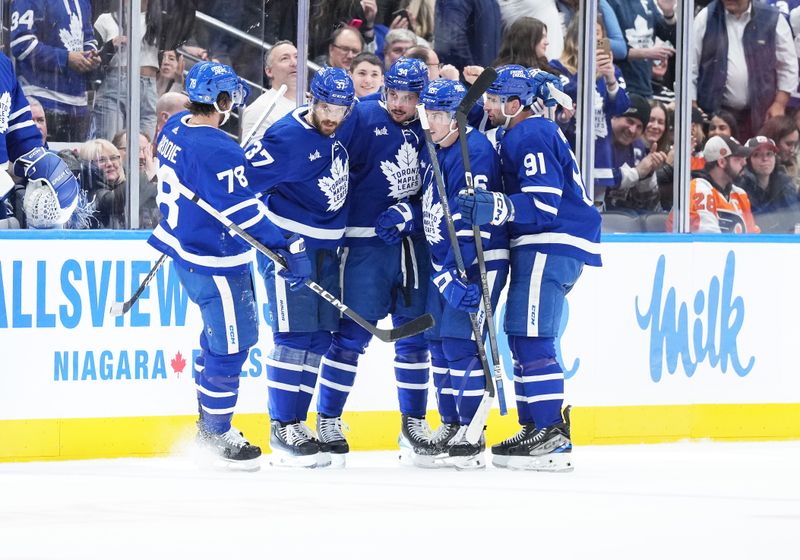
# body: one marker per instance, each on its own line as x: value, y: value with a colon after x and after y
x: 396, y: 221
x: 541, y: 81
x: 298, y: 265
x: 464, y: 297
x: 485, y: 207
x: 52, y: 191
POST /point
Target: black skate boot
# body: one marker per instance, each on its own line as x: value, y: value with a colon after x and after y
x: 416, y: 447
x: 293, y: 445
x: 464, y: 455
x: 332, y: 440
x: 442, y: 438
x: 230, y: 449
x: 549, y: 449
x: 500, y: 451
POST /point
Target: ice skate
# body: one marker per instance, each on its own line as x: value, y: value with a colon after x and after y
x: 416, y: 447
x: 500, y: 451
x: 549, y: 449
x: 464, y: 455
x: 229, y: 450
x: 293, y: 445
x: 444, y: 436
x: 332, y: 440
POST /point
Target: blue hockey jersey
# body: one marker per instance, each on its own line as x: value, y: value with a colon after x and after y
x: 202, y: 160
x: 18, y: 133
x: 485, y: 167
x: 553, y: 213
x: 384, y: 168
x: 43, y: 32
x: 304, y: 177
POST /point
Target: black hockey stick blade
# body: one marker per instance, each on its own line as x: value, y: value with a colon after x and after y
x: 477, y: 89
x: 119, y: 308
x: 415, y: 326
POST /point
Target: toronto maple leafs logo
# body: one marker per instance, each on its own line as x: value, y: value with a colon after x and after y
x: 431, y: 216
x: 5, y: 110
x: 72, y: 38
x: 315, y: 155
x: 335, y: 186
x: 403, y: 172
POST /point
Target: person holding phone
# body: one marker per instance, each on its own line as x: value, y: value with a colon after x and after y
x: 609, y: 87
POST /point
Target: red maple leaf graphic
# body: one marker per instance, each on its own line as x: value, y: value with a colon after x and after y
x: 178, y: 363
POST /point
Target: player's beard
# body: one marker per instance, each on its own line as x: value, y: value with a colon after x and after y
x: 325, y: 127
x: 729, y: 171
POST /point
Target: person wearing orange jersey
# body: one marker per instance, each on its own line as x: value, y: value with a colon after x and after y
x: 717, y: 205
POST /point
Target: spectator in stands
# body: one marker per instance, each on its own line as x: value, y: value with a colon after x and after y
x: 723, y: 123
x: 55, y: 52
x: 110, y: 101
x: 420, y: 13
x: 280, y: 66
x: 642, y: 23
x: 346, y: 42
x: 39, y: 118
x: 367, y: 74
x: 525, y: 43
x: 546, y: 11
x: 166, y: 106
x: 772, y: 193
x: 608, y: 88
x: 717, y: 205
x: 109, y: 191
x: 396, y: 43
x: 170, y: 73
x: 326, y: 17
x: 744, y: 62
x: 665, y: 175
x: 783, y: 131
x: 657, y: 130
x: 436, y: 69
x: 148, y: 165
x: 467, y: 32
x: 634, y: 164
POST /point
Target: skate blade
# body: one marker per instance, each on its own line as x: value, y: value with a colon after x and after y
x: 410, y: 459
x: 206, y: 459
x: 332, y: 460
x: 500, y: 461
x: 552, y: 462
x: 278, y: 459
x: 475, y: 462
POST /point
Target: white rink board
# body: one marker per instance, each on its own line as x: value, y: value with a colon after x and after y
x: 55, y: 290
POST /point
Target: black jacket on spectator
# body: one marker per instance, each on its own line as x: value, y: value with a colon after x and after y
x: 776, y: 209
x: 759, y: 53
x: 467, y: 32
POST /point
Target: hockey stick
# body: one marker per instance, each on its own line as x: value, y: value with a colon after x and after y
x: 121, y: 308
x: 415, y: 326
x: 475, y: 91
x: 473, y: 435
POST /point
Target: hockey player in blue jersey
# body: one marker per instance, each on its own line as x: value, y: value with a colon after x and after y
x: 384, y: 261
x: 554, y: 229
x: 457, y: 370
x: 52, y: 191
x: 213, y: 265
x: 301, y: 166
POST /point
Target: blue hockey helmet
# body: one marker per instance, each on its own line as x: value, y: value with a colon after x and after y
x: 512, y: 80
x: 443, y: 95
x: 206, y: 80
x: 333, y: 86
x: 406, y: 74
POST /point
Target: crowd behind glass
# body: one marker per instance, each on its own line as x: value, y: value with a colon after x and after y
x: 71, y: 59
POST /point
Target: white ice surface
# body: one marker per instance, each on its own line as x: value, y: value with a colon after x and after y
x: 678, y: 501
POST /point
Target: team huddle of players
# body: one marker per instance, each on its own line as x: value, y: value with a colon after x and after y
x: 345, y: 192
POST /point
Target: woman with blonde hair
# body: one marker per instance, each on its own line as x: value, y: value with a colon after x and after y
x: 108, y: 193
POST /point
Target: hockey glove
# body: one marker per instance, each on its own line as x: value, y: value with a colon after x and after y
x: 298, y: 265
x: 540, y: 82
x: 52, y: 191
x: 485, y: 207
x: 396, y: 221
x: 464, y: 297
